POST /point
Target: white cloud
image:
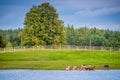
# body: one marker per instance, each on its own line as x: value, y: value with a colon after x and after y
x: 102, y: 11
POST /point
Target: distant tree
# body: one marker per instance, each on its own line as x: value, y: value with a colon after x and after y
x: 16, y: 42
x: 2, y: 44
x: 115, y: 39
x: 9, y: 45
x: 43, y: 27
x: 95, y: 37
x: 71, y: 35
x: 83, y: 35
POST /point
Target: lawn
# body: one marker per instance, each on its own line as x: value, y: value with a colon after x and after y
x: 58, y: 59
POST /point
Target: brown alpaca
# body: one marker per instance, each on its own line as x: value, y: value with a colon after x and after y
x: 89, y: 67
x: 79, y: 67
x: 92, y: 67
x: 83, y: 67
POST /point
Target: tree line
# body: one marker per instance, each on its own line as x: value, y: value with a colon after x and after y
x: 92, y: 37
x: 82, y: 36
x: 42, y: 26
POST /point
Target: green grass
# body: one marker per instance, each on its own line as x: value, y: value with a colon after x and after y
x: 58, y: 60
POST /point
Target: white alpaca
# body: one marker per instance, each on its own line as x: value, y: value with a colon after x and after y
x: 69, y: 68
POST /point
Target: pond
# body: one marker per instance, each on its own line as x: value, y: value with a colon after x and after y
x: 59, y: 75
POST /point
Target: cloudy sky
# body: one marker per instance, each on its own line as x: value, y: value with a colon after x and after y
x: 103, y: 14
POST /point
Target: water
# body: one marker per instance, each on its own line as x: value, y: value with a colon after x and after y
x: 59, y: 75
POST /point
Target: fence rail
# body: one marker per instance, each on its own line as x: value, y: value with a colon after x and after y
x: 68, y: 47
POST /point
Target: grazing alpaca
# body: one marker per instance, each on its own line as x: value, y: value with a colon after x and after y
x: 79, y: 67
x: 89, y: 67
x: 92, y: 67
x: 83, y: 67
x: 74, y: 67
x: 106, y: 67
x: 69, y: 68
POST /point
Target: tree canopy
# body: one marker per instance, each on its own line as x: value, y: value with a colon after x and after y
x: 42, y: 26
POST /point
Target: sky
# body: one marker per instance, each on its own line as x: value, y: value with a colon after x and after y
x: 102, y: 14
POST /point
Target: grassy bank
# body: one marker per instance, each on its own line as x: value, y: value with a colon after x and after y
x: 58, y: 60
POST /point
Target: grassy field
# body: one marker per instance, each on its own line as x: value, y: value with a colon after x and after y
x: 58, y: 60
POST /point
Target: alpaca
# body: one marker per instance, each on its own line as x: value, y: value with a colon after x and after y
x: 69, y: 68
x: 79, y: 67
x: 105, y: 67
x: 89, y: 67
x: 92, y: 67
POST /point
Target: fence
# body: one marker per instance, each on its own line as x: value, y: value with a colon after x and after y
x: 68, y: 47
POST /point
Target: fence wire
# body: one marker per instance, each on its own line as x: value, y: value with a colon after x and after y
x: 67, y: 47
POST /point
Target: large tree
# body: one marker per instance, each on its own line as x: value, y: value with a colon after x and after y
x: 43, y: 27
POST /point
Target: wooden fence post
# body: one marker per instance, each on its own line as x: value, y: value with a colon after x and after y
x: 24, y: 48
x: 42, y: 47
x: 4, y: 50
x: 60, y: 47
x: 110, y: 48
x: 14, y: 49
x: 102, y: 48
x: 85, y: 48
x: 33, y: 48
x: 77, y: 48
